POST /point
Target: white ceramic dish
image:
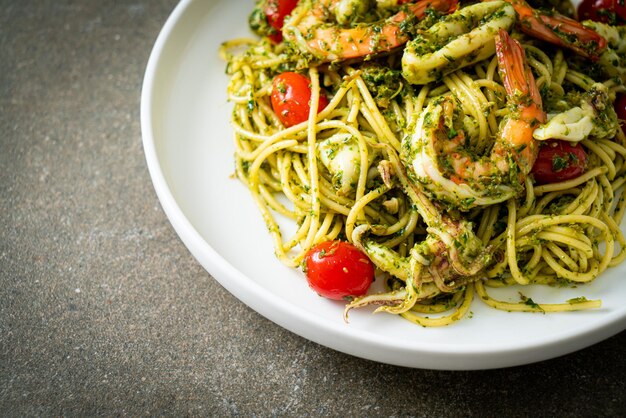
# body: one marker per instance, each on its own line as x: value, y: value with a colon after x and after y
x: 188, y: 146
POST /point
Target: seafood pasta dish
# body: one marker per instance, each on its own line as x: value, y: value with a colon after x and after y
x: 443, y: 148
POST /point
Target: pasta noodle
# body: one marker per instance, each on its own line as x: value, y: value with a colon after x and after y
x: 561, y: 233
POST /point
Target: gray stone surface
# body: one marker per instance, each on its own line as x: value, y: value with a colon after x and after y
x: 104, y: 312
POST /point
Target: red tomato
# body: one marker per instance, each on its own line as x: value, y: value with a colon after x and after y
x: 276, y: 11
x: 559, y: 161
x: 338, y: 270
x: 291, y: 97
x: 620, y: 109
x: 607, y: 11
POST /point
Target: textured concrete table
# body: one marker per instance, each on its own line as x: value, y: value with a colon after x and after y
x: 104, y: 312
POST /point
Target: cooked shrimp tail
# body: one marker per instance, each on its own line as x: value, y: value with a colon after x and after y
x: 525, y: 99
x: 559, y: 30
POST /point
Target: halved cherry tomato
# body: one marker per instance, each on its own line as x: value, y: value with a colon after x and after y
x: 291, y: 97
x: 559, y: 161
x: 276, y: 11
x: 620, y: 109
x: 607, y: 11
x: 338, y: 270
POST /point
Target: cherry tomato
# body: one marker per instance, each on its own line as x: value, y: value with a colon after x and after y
x: 291, y: 97
x: 559, y: 161
x: 607, y: 11
x: 338, y: 270
x: 276, y: 11
x: 620, y: 109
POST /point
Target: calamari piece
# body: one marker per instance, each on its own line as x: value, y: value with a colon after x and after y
x: 572, y: 125
x: 349, y: 11
x: 340, y: 155
x: 461, y: 39
x: 613, y: 59
x: 594, y: 117
x: 450, y: 256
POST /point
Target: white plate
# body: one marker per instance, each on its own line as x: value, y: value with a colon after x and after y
x: 189, y: 150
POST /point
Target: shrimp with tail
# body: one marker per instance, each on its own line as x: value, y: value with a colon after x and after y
x: 439, y: 158
x: 559, y: 30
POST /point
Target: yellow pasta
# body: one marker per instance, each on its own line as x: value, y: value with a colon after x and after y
x: 561, y: 233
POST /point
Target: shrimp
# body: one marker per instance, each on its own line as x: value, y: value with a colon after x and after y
x: 461, y: 39
x: 310, y: 30
x: 559, y: 30
x: 437, y: 153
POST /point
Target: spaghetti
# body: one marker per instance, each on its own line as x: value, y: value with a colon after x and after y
x: 560, y: 233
